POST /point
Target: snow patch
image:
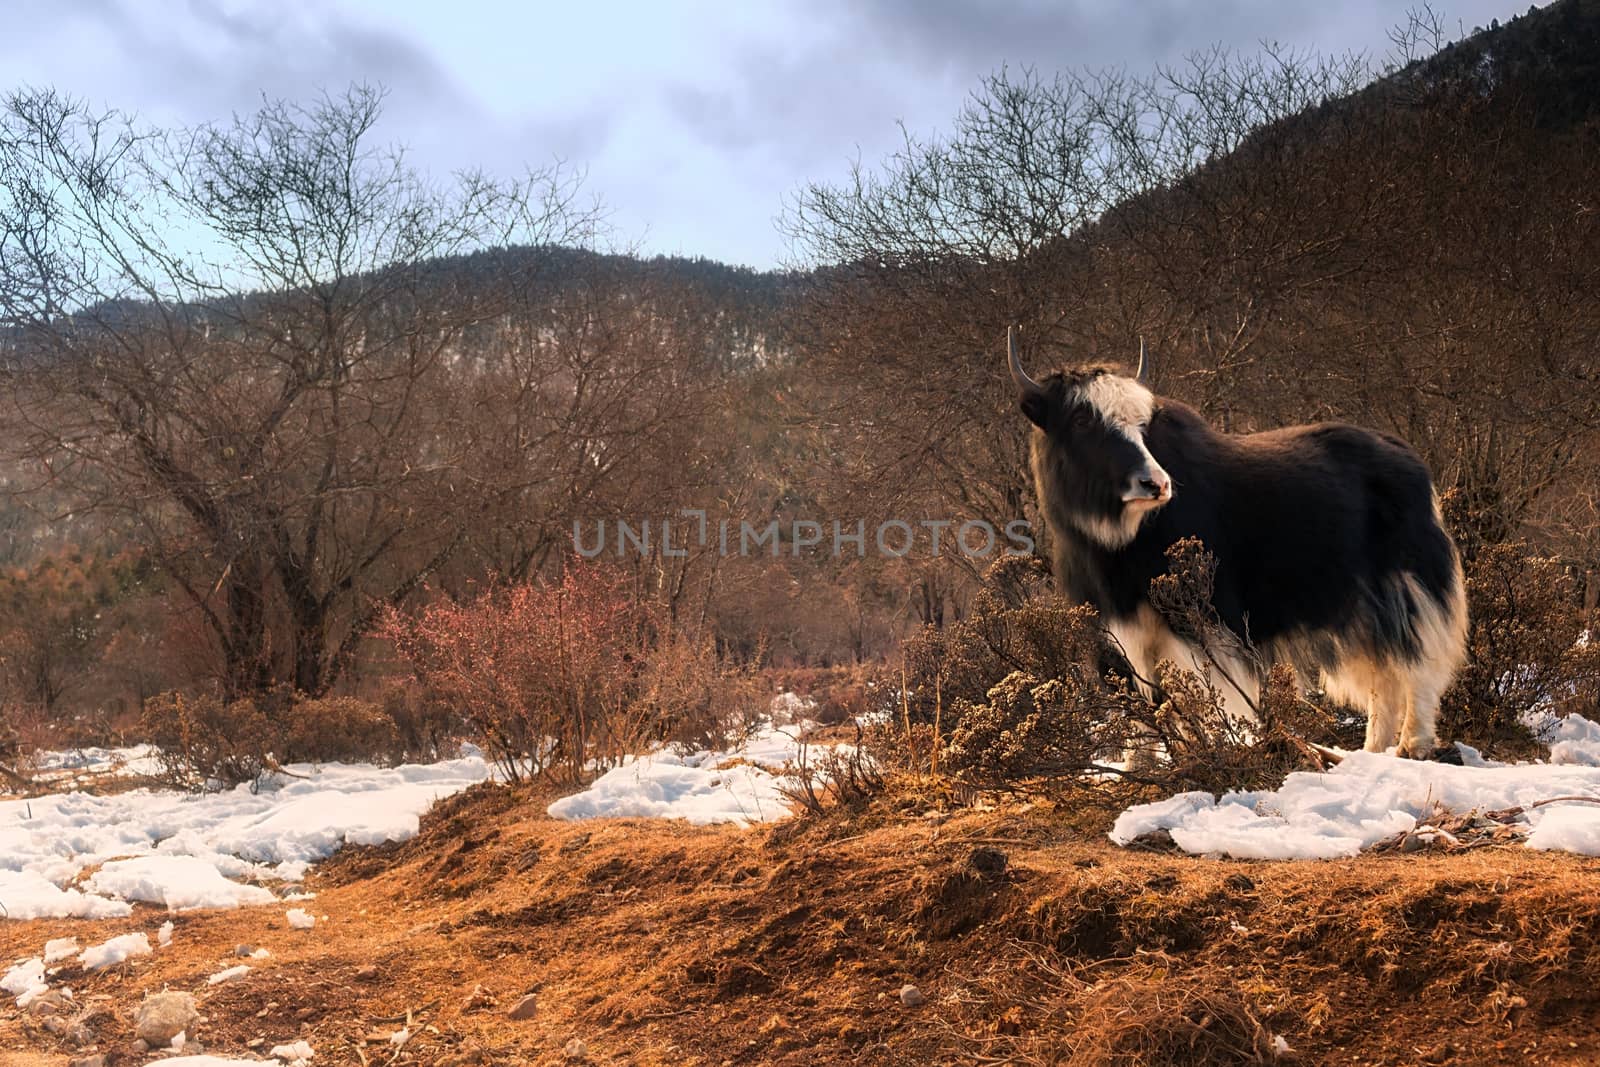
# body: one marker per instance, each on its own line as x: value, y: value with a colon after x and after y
x: 29, y: 894
x: 186, y: 851
x: 182, y: 883
x: 743, y: 785
x: 115, y: 951
x: 1573, y: 740
x: 139, y: 761
x: 300, y: 919
x: 228, y: 974
x: 789, y: 707
x: 25, y: 981
x: 60, y: 948
x: 299, y: 1052
x: 1371, y: 796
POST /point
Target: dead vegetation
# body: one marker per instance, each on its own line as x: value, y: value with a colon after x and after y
x: 1030, y: 941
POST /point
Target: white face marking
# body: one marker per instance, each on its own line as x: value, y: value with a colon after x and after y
x: 1126, y: 407
x: 1122, y: 402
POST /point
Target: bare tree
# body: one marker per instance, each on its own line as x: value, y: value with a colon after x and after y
x: 246, y: 340
x: 1067, y: 205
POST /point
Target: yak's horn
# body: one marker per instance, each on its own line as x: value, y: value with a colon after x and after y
x: 1143, y: 373
x: 1025, y: 384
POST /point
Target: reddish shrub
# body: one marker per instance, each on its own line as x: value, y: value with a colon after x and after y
x: 537, y: 671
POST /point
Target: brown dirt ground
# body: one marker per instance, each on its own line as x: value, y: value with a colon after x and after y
x: 1032, y: 940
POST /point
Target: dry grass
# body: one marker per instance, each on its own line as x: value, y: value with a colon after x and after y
x: 664, y: 944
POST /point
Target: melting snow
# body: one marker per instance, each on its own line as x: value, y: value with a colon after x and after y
x: 228, y: 975
x: 182, y: 883
x: 185, y: 851
x: 298, y: 1052
x: 742, y: 786
x: 1573, y: 739
x: 115, y: 951
x: 25, y: 980
x: 60, y: 948
x: 1370, y: 796
x: 140, y: 761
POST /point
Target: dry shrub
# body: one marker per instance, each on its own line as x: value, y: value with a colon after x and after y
x: 337, y: 729
x: 203, y: 739
x: 1016, y: 623
x: 537, y: 671
x: 842, y: 694
x: 1206, y: 749
x: 553, y: 677
x: 14, y: 749
x: 1526, y: 651
x: 426, y: 727
x: 689, y: 694
x: 1183, y: 596
x: 1057, y: 716
x: 88, y: 728
x: 841, y: 777
x: 1175, y: 1022
x: 1029, y: 729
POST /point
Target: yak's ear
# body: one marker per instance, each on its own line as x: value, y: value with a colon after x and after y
x: 1035, y: 406
x: 1033, y: 398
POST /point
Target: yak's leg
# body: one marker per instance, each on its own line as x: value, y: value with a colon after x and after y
x: 1236, y: 682
x: 1143, y: 741
x: 1392, y: 702
x: 1383, y: 719
x: 1360, y: 681
x: 1418, y: 738
x: 1141, y: 640
x: 1441, y: 629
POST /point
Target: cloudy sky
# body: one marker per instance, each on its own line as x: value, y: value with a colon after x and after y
x: 693, y: 119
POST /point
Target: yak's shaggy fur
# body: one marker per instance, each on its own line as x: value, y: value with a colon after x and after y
x: 1330, y: 550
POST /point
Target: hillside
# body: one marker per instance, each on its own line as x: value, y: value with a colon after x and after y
x: 1028, y: 940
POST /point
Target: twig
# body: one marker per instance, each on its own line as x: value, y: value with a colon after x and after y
x: 668, y: 1014
x: 1332, y: 755
x: 1562, y: 800
x: 406, y: 1016
x: 845, y: 840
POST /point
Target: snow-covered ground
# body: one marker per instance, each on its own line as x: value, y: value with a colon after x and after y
x: 75, y: 854
x: 186, y: 851
x: 1371, y: 796
x: 743, y: 785
x: 138, y: 761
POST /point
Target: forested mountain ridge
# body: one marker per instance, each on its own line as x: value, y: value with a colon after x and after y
x: 1413, y: 252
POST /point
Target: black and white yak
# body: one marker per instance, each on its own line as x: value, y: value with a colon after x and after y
x: 1330, y: 550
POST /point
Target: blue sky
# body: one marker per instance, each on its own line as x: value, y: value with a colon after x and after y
x: 693, y: 119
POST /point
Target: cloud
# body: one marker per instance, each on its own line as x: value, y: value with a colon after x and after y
x: 205, y: 59
x: 694, y: 119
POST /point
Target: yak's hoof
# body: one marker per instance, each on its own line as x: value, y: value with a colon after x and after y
x: 1438, y: 754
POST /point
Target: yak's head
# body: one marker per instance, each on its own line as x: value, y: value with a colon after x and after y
x: 1093, y: 468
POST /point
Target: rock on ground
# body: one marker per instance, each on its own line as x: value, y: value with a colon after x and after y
x: 163, y: 1016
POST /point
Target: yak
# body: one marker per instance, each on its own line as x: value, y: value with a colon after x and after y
x: 1329, y: 547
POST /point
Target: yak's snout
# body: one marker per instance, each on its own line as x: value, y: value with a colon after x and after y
x: 1152, y: 485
